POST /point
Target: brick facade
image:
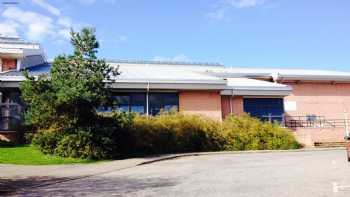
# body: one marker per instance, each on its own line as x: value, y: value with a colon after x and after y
x: 207, y: 103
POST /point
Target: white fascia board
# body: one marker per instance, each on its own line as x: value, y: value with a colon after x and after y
x: 221, y: 82
x: 261, y: 88
x: 315, y: 78
x: 167, y: 86
x: 256, y: 92
x: 12, y: 78
x: 11, y: 53
x: 20, y: 45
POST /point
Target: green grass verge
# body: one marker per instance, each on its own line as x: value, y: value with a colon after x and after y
x: 29, y: 155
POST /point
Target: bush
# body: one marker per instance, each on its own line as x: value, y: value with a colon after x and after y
x: 174, y: 132
x: 248, y: 133
x: 123, y: 135
x: 102, y: 141
x: 47, y: 140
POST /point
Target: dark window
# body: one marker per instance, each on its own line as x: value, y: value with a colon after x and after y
x: 127, y: 102
x: 163, y: 101
x: 136, y: 102
x: 269, y: 109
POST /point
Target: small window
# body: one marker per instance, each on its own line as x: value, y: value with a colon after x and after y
x: 9, y: 64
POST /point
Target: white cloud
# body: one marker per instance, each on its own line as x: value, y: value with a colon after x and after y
x: 34, y: 26
x: 87, y: 2
x: 9, y: 28
x: 244, y: 3
x: 224, y: 5
x: 65, y: 22
x: 91, y: 2
x: 176, y: 58
x: 50, y: 8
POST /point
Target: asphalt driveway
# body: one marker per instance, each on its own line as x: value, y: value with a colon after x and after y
x: 311, y: 173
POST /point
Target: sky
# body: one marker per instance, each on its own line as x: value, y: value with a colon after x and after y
x: 310, y: 34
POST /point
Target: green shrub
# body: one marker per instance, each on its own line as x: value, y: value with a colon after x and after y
x: 174, y: 132
x: 104, y: 140
x: 124, y: 134
x: 47, y: 140
x: 84, y: 144
x: 248, y: 133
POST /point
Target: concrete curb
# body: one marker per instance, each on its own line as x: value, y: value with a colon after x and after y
x: 175, y: 156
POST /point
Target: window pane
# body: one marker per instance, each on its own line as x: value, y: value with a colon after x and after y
x: 163, y: 101
x: 138, y: 102
x: 123, y: 108
x: 155, y: 103
x: 122, y: 99
x: 138, y: 109
x: 265, y: 108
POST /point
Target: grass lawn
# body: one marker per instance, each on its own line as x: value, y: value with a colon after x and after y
x: 29, y: 155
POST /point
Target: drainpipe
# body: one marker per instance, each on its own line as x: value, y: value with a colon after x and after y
x: 231, y: 107
x: 147, y: 99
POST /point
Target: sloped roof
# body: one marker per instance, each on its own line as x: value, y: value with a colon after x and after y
x: 245, y: 86
x: 282, y: 74
x: 166, y: 73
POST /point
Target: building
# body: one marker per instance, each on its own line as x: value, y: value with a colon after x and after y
x: 314, y: 104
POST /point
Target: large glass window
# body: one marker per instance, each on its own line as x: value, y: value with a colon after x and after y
x: 270, y: 109
x: 128, y: 102
x: 163, y: 101
x: 136, y: 102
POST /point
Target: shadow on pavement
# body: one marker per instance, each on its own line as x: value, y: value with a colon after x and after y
x: 8, y: 186
x: 87, y: 186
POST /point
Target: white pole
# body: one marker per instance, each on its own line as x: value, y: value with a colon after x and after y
x: 346, y: 125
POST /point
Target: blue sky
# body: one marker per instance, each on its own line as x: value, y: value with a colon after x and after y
x: 247, y: 33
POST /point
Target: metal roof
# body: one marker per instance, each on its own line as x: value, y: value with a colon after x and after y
x: 181, y: 75
x: 166, y: 73
x: 282, y: 74
x: 245, y: 86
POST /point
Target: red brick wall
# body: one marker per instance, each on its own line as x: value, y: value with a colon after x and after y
x: 207, y: 103
x: 234, y: 104
x: 328, y: 100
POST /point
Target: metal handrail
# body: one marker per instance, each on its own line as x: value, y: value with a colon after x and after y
x: 318, y: 122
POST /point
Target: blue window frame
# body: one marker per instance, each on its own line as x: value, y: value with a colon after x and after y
x: 267, y: 109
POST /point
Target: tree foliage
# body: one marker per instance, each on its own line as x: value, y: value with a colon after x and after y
x: 76, y: 85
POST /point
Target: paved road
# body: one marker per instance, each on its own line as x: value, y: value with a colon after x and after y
x: 319, y: 173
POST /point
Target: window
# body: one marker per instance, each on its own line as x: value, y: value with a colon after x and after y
x: 163, y: 101
x: 136, y: 102
x: 9, y: 64
x: 130, y: 102
x: 270, y: 109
